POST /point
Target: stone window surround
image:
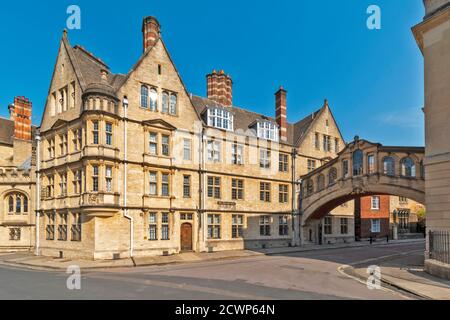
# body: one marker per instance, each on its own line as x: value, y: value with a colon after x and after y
x: 159, y: 99
x: 159, y: 134
x: 159, y: 174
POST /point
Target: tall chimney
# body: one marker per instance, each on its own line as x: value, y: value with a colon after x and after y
x: 280, y: 111
x: 220, y: 88
x: 20, y: 113
x: 151, y: 31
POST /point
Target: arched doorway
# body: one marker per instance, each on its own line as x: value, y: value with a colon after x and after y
x: 186, y: 237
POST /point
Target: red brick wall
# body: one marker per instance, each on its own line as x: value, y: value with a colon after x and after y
x: 364, y: 212
x: 280, y: 111
x: 220, y: 88
x: 366, y: 208
x: 22, y: 118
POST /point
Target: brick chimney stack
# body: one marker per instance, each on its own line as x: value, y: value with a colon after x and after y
x: 151, y: 31
x: 20, y: 113
x: 281, y: 112
x: 220, y: 88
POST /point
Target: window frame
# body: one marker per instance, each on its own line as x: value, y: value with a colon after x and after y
x: 214, y: 223
x: 237, y: 226
x: 283, y: 226
x: 265, y: 226
x: 265, y: 191
x: 237, y: 189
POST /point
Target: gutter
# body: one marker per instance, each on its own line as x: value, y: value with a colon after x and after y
x: 38, y: 192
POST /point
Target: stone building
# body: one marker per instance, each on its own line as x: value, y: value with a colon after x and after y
x: 134, y: 165
x: 433, y: 38
x: 17, y: 178
x: 405, y: 215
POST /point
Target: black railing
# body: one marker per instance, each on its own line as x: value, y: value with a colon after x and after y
x: 439, y: 246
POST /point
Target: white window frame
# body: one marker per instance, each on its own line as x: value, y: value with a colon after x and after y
x: 375, y: 203
x: 267, y: 130
x: 221, y: 119
x: 237, y: 154
x: 214, y: 150
x: 375, y: 225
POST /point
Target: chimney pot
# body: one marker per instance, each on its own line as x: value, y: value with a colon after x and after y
x: 151, y: 30
x: 220, y: 88
x: 20, y: 113
x: 281, y: 112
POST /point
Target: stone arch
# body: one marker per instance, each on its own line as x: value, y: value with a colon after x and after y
x: 318, y: 207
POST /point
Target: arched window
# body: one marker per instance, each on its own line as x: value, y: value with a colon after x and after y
x: 389, y: 166
x: 11, y: 204
x: 144, y: 97
x: 153, y: 99
x: 16, y: 203
x: 408, y: 167
x: 321, y: 182
x: 173, y: 104
x: 332, y: 176
x: 309, y: 187
x: 165, y: 102
x: 357, y: 163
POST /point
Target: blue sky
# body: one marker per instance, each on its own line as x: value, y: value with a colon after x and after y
x: 315, y: 49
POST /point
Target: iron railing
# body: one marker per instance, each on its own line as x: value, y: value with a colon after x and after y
x: 439, y: 246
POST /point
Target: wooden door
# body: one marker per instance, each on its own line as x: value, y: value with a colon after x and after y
x: 186, y: 237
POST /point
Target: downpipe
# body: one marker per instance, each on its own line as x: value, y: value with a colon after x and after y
x: 125, y: 169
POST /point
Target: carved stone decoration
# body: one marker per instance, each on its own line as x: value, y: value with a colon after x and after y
x: 358, y: 187
x: 93, y: 199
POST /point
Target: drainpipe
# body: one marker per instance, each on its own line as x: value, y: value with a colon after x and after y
x: 203, y: 179
x: 294, y: 196
x: 38, y: 191
x: 125, y: 167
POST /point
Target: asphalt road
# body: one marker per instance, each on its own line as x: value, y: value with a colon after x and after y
x: 297, y: 276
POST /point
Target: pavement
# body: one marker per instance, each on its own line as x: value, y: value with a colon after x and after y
x: 29, y: 260
x: 401, y: 264
x: 300, y: 275
x: 404, y: 272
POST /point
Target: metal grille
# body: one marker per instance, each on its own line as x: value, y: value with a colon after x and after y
x: 439, y: 246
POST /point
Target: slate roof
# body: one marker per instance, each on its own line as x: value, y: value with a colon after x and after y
x: 7, y: 131
x: 88, y: 67
x: 243, y: 119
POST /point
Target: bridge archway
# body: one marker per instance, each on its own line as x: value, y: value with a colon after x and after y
x: 362, y: 169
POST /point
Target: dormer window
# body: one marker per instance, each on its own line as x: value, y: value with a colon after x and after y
x: 267, y: 130
x: 221, y: 119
